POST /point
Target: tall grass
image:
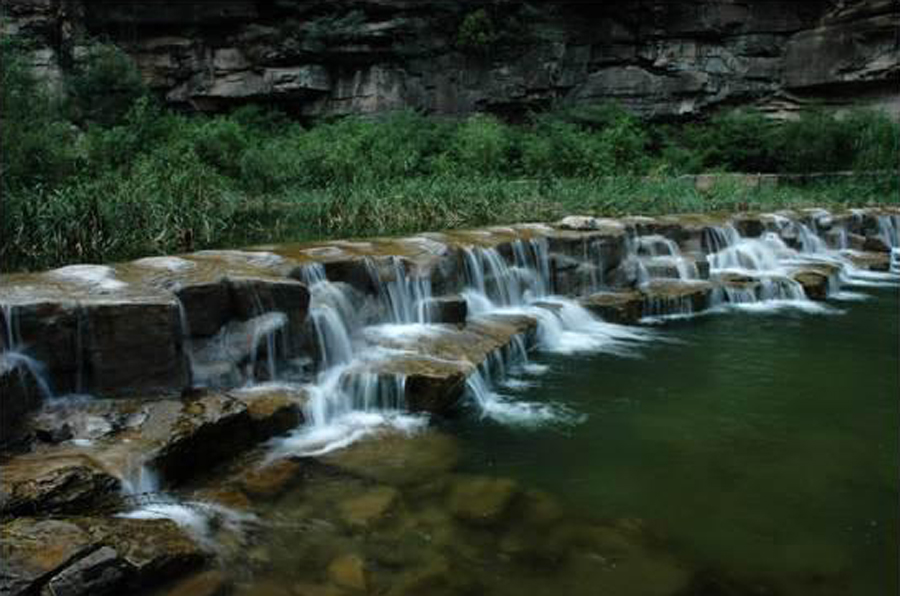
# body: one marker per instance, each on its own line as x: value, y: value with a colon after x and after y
x: 105, y: 172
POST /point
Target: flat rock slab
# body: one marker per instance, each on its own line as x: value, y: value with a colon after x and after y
x: 661, y: 298
x: 870, y: 261
x: 174, y: 438
x: 83, y: 556
x: 616, y: 307
x: 435, y: 361
x: 55, y: 483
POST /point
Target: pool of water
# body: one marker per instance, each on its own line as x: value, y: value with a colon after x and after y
x: 763, y: 446
x: 736, y: 453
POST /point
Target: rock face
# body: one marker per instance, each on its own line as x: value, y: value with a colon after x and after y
x: 661, y: 58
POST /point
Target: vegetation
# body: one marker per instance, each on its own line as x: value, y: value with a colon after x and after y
x: 109, y: 174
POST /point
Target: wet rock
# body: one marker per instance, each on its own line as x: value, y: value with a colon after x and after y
x: 134, y: 347
x: 53, y: 434
x: 20, y: 394
x: 207, y: 431
x: 308, y: 589
x: 349, y: 572
x: 871, y: 261
x: 438, y: 362
x: 54, y: 484
x: 33, y: 550
x: 675, y: 297
x: 270, y: 480
x: 749, y: 226
x: 272, y: 411
x: 540, y: 509
x: 606, y: 247
x: 207, y: 306
x: 856, y: 241
x: 616, y: 307
x: 815, y: 284
x: 398, y: 459
x: 99, y: 572
x: 585, y: 223
x: 220, y: 360
x: 436, y: 576
x: 431, y: 385
x: 86, y: 556
x: 370, y: 508
x: 111, y: 341
x: 206, y: 583
x: 481, y: 500
x: 449, y: 309
x: 875, y: 244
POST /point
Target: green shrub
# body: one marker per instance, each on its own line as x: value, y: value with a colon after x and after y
x: 477, y: 33
x: 104, y: 86
x: 36, y: 144
x: 480, y: 144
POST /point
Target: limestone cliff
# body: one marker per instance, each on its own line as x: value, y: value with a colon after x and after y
x: 660, y: 58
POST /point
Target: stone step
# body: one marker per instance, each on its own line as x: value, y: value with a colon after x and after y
x: 436, y: 362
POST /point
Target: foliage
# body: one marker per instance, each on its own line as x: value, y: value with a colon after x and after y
x: 81, y: 182
x: 477, y: 33
x: 104, y: 85
x: 36, y: 142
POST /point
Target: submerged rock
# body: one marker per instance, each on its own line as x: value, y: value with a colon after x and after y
x: 399, y: 460
x: 481, y: 500
x: 348, y: 571
x: 370, y: 508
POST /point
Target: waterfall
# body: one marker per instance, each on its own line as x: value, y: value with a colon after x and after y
x: 13, y: 356
x: 718, y: 238
x: 659, y: 257
x: 406, y: 296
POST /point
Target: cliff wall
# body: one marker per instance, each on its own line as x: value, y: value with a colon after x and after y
x: 660, y: 58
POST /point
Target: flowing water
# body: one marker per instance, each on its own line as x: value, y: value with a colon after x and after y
x: 748, y: 449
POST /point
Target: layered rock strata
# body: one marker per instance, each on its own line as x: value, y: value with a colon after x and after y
x: 659, y: 58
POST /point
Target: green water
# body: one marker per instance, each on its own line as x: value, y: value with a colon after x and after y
x: 740, y: 454
x: 764, y: 447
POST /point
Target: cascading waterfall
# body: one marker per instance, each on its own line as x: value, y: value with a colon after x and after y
x: 660, y: 254
x: 13, y: 354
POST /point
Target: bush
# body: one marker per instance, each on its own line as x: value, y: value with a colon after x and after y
x: 481, y: 144
x: 37, y: 144
x: 104, y: 86
x: 477, y: 33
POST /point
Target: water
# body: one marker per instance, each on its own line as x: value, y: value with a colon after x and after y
x: 762, y: 446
